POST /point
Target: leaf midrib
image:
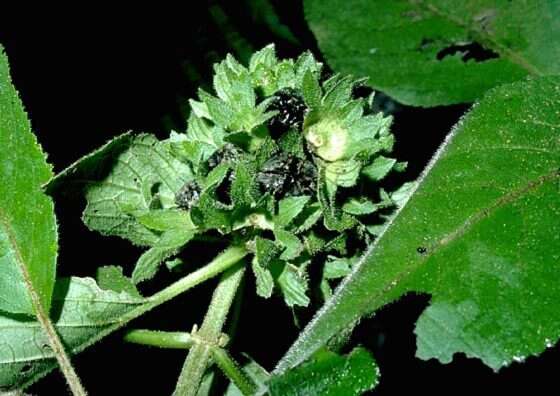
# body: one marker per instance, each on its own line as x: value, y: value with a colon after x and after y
x: 377, y: 299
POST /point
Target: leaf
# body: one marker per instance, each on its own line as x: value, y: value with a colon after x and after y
x: 169, y: 244
x: 289, y: 208
x: 112, y: 278
x: 92, y: 166
x: 480, y: 235
x: 379, y: 168
x: 424, y: 52
x: 329, y: 374
x: 293, y: 284
x: 81, y: 310
x: 28, y: 232
x: 145, y: 176
x: 265, y: 252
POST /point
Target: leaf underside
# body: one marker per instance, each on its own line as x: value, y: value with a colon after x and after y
x: 81, y: 310
x: 481, y: 235
x: 434, y: 52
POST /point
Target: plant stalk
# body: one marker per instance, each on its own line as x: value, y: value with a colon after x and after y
x: 210, y: 332
x: 160, y: 339
x: 234, y: 372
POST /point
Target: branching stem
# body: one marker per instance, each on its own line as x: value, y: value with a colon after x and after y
x: 210, y: 332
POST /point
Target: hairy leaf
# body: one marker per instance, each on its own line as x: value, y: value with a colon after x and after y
x: 480, y: 235
x: 144, y: 177
x: 329, y: 374
x: 433, y: 52
x: 28, y: 234
x: 80, y: 311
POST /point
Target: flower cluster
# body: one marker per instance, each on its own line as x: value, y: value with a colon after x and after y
x: 289, y: 165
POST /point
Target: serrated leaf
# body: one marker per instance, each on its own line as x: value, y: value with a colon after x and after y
x: 289, y: 208
x: 265, y: 252
x: 143, y: 177
x: 112, y: 278
x: 291, y: 243
x: 28, y: 232
x: 436, y: 43
x: 169, y: 244
x: 92, y: 166
x: 480, y: 235
x: 359, y: 207
x: 293, y: 285
x: 81, y: 310
x: 329, y: 374
x: 379, y: 168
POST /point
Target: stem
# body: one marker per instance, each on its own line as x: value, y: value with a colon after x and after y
x: 160, y: 339
x: 210, y: 332
x: 62, y: 358
x: 231, y: 368
x: 223, y: 261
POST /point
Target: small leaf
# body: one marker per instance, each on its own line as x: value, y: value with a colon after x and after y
x: 167, y: 245
x: 28, y: 232
x: 265, y: 252
x: 447, y: 51
x: 81, y: 310
x: 291, y: 243
x: 112, y: 278
x: 293, y: 284
x: 329, y: 374
x: 289, y: 208
x: 379, y: 168
x: 359, y: 206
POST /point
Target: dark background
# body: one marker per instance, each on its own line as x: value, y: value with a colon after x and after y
x: 87, y: 75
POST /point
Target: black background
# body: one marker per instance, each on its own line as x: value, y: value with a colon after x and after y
x: 88, y: 74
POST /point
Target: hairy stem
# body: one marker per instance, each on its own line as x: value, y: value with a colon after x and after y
x: 160, y: 339
x: 62, y: 357
x: 233, y: 371
x: 210, y: 332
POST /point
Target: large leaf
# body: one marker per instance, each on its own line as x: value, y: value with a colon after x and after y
x: 81, y: 310
x: 481, y: 235
x: 423, y: 52
x: 28, y: 236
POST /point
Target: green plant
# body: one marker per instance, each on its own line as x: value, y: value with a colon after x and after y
x: 282, y: 172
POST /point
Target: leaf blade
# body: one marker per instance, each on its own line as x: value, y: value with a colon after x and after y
x: 424, y: 52
x: 501, y: 165
x: 28, y: 232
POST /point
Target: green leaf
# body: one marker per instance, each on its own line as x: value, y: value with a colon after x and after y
x: 293, y: 284
x: 480, y: 235
x: 265, y: 252
x: 169, y: 244
x: 166, y: 219
x: 289, y: 208
x: 379, y: 168
x: 143, y: 177
x: 329, y: 374
x: 291, y: 243
x: 93, y: 166
x: 80, y: 311
x: 420, y: 52
x: 28, y: 232
x: 112, y: 278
